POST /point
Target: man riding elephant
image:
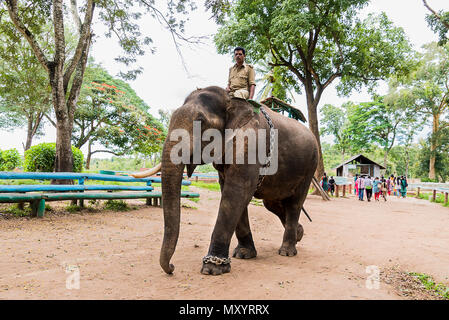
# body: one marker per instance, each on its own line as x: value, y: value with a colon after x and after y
x: 242, y: 78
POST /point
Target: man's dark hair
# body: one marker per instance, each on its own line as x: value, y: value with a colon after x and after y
x: 240, y: 49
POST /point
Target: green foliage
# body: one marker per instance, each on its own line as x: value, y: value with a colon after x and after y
x: 324, y: 37
x: 335, y: 123
x: 118, y: 164
x: 430, y: 284
x: 209, y: 186
x: 41, y: 158
x: 116, y: 205
x: 10, y: 159
x: 72, y: 208
x: 441, y: 163
x: 206, y: 168
x: 111, y: 114
x: 439, y: 23
x: 16, y: 211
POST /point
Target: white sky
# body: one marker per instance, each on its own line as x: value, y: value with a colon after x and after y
x: 164, y: 83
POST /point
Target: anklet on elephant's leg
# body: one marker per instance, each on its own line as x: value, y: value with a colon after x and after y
x: 216, y: 260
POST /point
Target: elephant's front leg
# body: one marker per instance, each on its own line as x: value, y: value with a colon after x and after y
x: 237, y: 192
x: 245, y: 249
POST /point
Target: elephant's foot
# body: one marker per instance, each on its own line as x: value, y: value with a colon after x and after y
x: 288, y: 251
x: 299, y: 233
x: 214, y: 269
x: 244, y: 253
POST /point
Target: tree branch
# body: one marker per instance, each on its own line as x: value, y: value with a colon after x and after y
x: 85, y: 35
x: 12, y: 10
x: 59, y: 38
x: 50, y: 119
x: 107, y: 151
x: 75, y: 15
x: 435, y: 14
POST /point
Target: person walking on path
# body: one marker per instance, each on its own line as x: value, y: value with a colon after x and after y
x: 324, y: 183
x: 361, y: 184
x: 404, y: 186
x: 356, y: 184
x: 332, y: 185
x: 398, y: 187
x: 389, y: 182
x: 368, y: 188
x: 384, y: 189
x: 377, y: 185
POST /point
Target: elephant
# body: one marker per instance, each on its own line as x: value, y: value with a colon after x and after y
x: 283, y: 193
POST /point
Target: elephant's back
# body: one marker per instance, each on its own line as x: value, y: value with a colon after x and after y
x: 297, y: 157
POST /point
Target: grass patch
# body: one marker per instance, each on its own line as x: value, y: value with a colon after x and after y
x: 215, y: 186
x: 72, y: 208
x: 257, y: 202
x: 186, y: 205
x: 116, y: 205
x: 429, y: 283
x: 17, y: 212
x: 196, y: 200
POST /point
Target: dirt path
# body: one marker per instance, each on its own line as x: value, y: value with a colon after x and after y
x: 116, y: 254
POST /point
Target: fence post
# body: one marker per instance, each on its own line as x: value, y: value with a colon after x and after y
x: 350, y: 189
x: 445, y: 198
x: 336, y: 190
x: 418, y: 192
x: 434, y: 195
x: 344, y: 190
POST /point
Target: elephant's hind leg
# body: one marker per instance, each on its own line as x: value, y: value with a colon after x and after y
x: 245, y: 249
x: 288, y: 247
x: 288, y: 213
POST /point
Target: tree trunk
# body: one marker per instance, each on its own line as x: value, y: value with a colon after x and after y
x: 407, y: 161
x: 312, y: 104
x: 433, y: 146
x: 29, y: 134
x: 89, y: 154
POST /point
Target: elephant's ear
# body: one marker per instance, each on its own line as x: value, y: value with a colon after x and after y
x: 239, y: 113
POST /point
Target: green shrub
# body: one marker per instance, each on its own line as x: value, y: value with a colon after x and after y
x: 429, y: 180
x: 41, y: 158
x: 10, y: 159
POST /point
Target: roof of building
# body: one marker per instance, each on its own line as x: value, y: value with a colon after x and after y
x: 360, y: 158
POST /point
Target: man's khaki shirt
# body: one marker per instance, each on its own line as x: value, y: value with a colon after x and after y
x: 242, y: 77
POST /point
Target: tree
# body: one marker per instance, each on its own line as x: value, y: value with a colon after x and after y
x: 438, y: 22
x: 335, y: 123
x: 110, y: 113
x: 318, y: 42
x: 379, y: 122
x: 65, y: 73
x: 271, y: 82
x: 25, y: 95
x: 429, y: 87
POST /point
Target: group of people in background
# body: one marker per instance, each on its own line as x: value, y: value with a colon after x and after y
x: 380, y: 187
x: 365, y: 186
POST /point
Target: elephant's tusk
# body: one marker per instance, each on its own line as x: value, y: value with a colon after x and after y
x: 148, y: 172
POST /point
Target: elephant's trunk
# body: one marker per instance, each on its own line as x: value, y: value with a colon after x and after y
x: 171, y: 192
